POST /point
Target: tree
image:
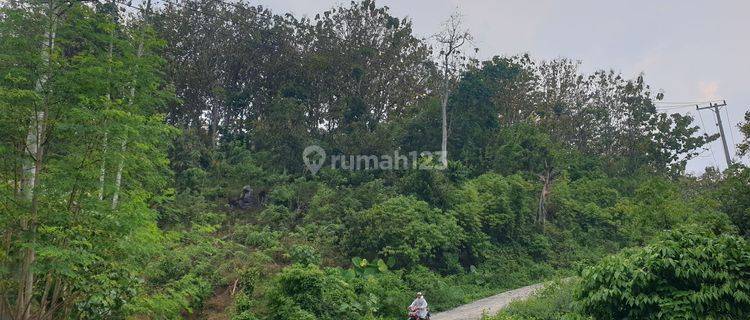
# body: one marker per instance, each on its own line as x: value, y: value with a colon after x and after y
x: 734, y: 196
x: 601, y: 114
x: 744, y: 147
x: 451, y: 39
x: 71, y: 253
x: 33, y: 101
x: 363, y: 69
x: 495, y: 94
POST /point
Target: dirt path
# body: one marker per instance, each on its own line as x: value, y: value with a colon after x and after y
x: 490, y: 305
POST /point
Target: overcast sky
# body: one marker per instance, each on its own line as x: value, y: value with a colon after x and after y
x: 693, y: 50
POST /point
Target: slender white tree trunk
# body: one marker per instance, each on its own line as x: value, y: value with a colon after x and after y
x: 103, y: 168
x: 444, y: 142
x: 31, y: 170
x: 118, y: 177
x: 123, y: 146
x: 444, y: 110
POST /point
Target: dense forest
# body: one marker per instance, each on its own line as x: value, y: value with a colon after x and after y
x: 152, y: 169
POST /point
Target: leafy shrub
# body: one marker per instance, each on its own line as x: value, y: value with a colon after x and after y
x: 509, y: 269
x: 427, y: 185
x: 438, y: 291
x: 686, y: 274
x: 247, y: 315
x: 282, y: 195
x: 248, y: 280
x: 278, y: 216
x: 404, y: 228
x: 553, y: 302
x: 734, y: 196
x: 307, y: 292
x: 384, y: 294
x: 304, y: 254
x: 243, y: 305
x: 256, y: 237
x: 185, y: 294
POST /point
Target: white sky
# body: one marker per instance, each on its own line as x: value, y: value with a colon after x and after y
x: 695, y: 50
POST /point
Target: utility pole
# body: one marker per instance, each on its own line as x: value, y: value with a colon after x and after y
x: 715, y: 107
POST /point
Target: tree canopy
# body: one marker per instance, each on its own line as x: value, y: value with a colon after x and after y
x: 153, y: 170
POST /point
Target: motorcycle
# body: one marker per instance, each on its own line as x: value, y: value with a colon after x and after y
x: 414, y: 314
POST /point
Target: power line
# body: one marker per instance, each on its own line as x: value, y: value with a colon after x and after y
x: 177, y: 5
x: 674, y: 107
x: 715, y: 107
x: 670, y: 105
x: 702, y: 154
x: 710, y: 145
x: 731, y: 127
x: 686, y: 102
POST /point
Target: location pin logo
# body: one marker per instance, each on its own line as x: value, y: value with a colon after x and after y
x: 314, y: 157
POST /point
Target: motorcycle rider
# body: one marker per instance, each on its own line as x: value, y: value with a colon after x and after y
x: 419, y: 306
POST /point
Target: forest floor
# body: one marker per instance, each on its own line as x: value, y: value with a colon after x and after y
x: 487, y: 306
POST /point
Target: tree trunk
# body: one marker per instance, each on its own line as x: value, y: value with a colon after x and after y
x: 103, y: 168
x: 546, y: 179
x: 45, y: 294
x: 118, y: 177
x: 123, y: 147
x: 444, y: 142
x: 444, y: 111
x: 26, y: 274
x: 31, y: 169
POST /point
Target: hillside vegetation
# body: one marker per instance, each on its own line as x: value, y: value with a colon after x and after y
x: 152, y: 169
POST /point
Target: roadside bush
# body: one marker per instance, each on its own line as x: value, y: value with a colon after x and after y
x: 553, y: 302
x: 439, y: 291
x: 384, y: 294
x: 686, y: 274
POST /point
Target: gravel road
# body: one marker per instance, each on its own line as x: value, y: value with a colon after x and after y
x: 490, y: 305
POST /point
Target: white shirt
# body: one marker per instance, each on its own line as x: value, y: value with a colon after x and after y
x: 421, y: 305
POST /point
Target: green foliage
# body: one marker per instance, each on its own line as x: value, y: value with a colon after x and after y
x: 734, y: 196
x: 249, y: 279
x: 243, y: 307
x: 89, y: 118
x: 309, y: 293
x: 381, y: 295
x: 687, y: 273
x: 744, y: 146
x: 363, y: 268
x: 483, y: 96
x: 403, y: 228
x: 257, y: 237
x: 553, y: 302
x: 304, y: 255
x: 431, y: 186
x: 550, y: 170
x: 492, y: 209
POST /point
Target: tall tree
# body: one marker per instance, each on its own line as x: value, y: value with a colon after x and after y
x: 62, y: 244
x: 744, y: 146
x: 452, y: 60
